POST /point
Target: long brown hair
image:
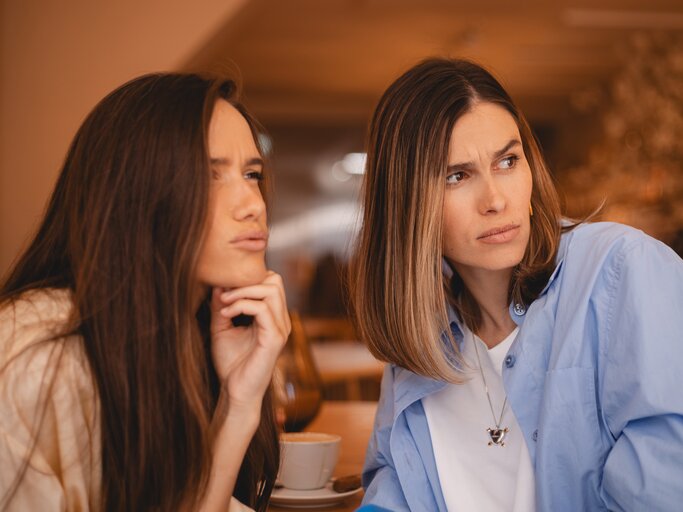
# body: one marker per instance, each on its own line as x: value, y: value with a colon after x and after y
x: 398, y: 289
x: 122, y: 232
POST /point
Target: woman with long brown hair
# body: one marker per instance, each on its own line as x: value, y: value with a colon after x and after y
x: 140, y: 328
x: 534, y: 361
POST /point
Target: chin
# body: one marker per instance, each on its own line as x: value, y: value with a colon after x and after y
x: 247, y: 277
x: 236, y: 278
x: 499, y: 263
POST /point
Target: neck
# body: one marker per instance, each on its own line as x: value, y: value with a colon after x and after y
x: 490, y: 290
x: 199, y: 294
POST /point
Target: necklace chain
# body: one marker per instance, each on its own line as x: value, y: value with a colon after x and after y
x: 486, y: 388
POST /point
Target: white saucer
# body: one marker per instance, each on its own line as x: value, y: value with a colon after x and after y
x: 326, y: 496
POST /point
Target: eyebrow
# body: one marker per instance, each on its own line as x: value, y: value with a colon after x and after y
x: 497, y: 154
x: 227, y: 162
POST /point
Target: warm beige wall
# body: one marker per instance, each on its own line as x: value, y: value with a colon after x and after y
x: 57, y: 59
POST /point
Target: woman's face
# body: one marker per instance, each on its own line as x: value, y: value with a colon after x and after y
x: 234, y: 247
x: 488, y: 192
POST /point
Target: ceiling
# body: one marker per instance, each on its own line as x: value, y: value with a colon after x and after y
x: 328, y: 61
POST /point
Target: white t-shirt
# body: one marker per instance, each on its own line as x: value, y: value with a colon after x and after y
x: 474, y: 475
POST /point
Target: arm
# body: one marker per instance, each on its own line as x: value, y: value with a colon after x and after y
x: 60, y: 470
x: 244, y: 358
x: 381, y: 483
x: 233, y: 430
x: 640, y: 390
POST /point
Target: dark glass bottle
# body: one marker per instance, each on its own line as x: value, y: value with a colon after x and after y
x: 297, y: 383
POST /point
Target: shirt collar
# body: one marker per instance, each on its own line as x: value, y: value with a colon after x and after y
x: 410, y: 387
x: 559, y: 258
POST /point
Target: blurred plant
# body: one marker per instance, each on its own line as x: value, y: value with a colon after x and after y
x: 637, y: 165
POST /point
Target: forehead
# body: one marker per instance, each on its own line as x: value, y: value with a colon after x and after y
x: 229, y: 132
x: 486, y: 127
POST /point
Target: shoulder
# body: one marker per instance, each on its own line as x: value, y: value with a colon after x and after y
x: 49, y: 406
x: 401, y: 390
x: 610, y: 245
x: 631, y: 281
x: 602, y: 235
x: 40, y: 362
x: 35, y: 316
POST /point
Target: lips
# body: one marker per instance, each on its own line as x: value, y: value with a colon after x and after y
x: 251, y: 240
x: 500, y: 234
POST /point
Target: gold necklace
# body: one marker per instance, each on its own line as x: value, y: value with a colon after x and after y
x: 496, y: 434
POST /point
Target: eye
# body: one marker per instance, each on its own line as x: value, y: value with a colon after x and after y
x: 215, y: 175
x: 254, y: 175
x: 455, y: 177
x: 508, y: 162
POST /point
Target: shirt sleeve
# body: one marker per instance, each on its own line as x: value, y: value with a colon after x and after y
x: 381, y: 483
x: 640, y: 391
x: 48, y: 431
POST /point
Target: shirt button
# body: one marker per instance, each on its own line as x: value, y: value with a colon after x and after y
x: 534, y: 436
x: 510, y: 361
x: 519, y: 309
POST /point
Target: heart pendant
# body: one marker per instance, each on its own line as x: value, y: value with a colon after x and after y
x: 497, y: 435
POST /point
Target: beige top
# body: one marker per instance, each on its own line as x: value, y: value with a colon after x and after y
x: 64, y: 470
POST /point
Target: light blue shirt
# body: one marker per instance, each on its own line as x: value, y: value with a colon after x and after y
x: 595, y: 379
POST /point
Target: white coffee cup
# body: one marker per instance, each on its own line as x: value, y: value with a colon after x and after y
x: 307, y: 459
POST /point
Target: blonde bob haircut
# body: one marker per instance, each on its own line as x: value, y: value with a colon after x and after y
x: 398, y: 290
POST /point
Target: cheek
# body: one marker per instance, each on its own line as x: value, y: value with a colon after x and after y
x: 210, y: 237
x: 207, y: 257
x: 213, y: 238
x: 453, y: 234
x: 456, y: 213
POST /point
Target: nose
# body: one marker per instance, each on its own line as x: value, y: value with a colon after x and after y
x: 492, y: 199
x: 250, y: 204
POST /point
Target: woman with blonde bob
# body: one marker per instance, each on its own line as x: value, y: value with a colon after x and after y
x: 126, y: 382
x: 533, y: 362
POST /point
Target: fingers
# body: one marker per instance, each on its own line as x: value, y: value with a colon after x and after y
x: 270, y: 291
x: 271, y: 286
x: 262, y: 314
x: 264, y: 302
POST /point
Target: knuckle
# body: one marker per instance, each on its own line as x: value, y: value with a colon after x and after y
x: 271, y: 288
x: 276, y: 278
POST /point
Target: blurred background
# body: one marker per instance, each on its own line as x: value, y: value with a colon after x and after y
x: 601, y: 82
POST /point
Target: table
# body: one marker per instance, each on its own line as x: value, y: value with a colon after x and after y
x: 353, y: 421
x: 346, y: 361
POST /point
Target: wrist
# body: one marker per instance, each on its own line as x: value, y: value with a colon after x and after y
x: 238, y: 413
x: 248, y: 417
